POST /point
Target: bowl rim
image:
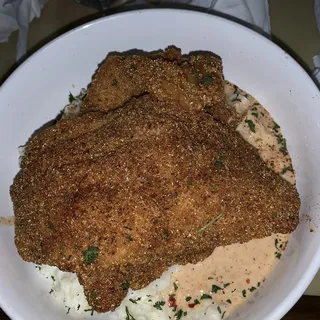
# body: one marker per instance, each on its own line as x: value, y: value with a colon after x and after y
x: 314, y: 265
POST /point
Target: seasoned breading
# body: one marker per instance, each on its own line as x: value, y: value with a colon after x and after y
x: 119, y: 195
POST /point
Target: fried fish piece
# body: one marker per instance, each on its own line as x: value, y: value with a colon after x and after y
x: 120, y: 194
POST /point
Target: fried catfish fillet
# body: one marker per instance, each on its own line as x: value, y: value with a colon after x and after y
x: 144, y: 179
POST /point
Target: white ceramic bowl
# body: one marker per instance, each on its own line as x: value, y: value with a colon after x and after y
x: 36, y: 92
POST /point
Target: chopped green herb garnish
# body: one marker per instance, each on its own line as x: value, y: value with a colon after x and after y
x: 53, y: 279
x: 223, y: 315
x: 206, y: 80
x: 196, y: 301
x: 226, y: 285
x: 188, y: 298
x: 215, y: 288
x: 219, y: 309
x: 125, y: 285
x: 65, y: 194
x: 205, y: 296
x: 252, y: 289
x: 211, y: 222
x: 90, y: 255
x: 254, y: 109
x: 114, y: 83
x: 278, y: 255
x: 185, y: 313
x: 178, y: 314
x: 236, y: 99
x: 50, y: 291
x: 166, y: 233
x: 283, y: 149
x: 219, y: 162
x: 229, y: 301
x: 258, y: 284
x: 130, y: 239
x: 213, y: 188
x: 71, y: 97
x: 244, y: 293
x: 255, y: 114
x: 78, y: 307
x: 262, y: 114
x: 284, y: 170
x: 69, y: 257
x: 251, y: 125
x: 83, y: 97
x: 159, y: 304
x: 210, y: 278
x: 275, y: 127
x: 175, y: 286
x: 135, y: 300
x: 77, y: 247
x: 189, y: 183
x: 50, y: 226
x: 276, y: 243
x: 133, y: 66
x: 274, y: 215
x: 129, y: 315
x: 68, y: 310
x: 95, y: 294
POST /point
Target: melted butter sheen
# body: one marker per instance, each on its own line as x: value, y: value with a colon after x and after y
x: 6, y: 221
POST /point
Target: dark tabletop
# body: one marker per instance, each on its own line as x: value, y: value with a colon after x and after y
x: 308, y: 308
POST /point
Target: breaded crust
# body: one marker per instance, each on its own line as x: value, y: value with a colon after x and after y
x: 119, y: 195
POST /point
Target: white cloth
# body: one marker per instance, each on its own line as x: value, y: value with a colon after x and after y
x: 16, y: 14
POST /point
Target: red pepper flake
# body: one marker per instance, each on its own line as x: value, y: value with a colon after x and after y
x: 191, y: 305
x: 172, y: 302
x: 248, y: 281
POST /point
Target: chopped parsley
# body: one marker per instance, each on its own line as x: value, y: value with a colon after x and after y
x: 276, y: 243
x: 283, y: 149
x: 175, y: 286
x: 159, y: 304
x: 262, y: 114
x: 125, y: 285
x: 95, y: 294
x: 251, y: 125
x: 284, y: 170
x: 53, y: 279
x: 258, y: 284
x: 252, y: 289
x: 114, y: 83
x: 166, y: 233
x: 226, y: 285
x: 244, y: 293
x: 89, y: 310
x: 130, y: 239
x: 133, y: 66
x: 219, y: 162
x: 215, y: 288
x: 216, y: 218
x: 90, y: 255
x: 135, y: 300
x: 196, y: 301
x: 50, y: 226
x: 207, y: 79
x: 71, y: 97
x: 278, y: 255
x: 255, y: 114
x: 229, y: 301
x: 213, y: 188
x: 188, y: 298
x: 189, y: 183
x: 129, y: 315
x: 276, y: 127
x: 219, y: 309
x: 223, y: 315
x: 274, y: 215
x: 205, y: 296
x: 179, y: 314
